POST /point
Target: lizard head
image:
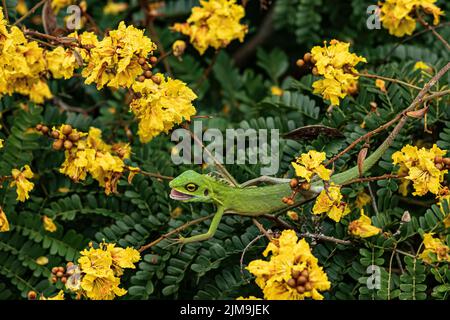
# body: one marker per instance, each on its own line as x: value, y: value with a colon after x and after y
x: 191, y: 186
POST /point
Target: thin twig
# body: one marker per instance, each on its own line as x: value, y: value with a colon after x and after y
x: 207, y: 71
x: 154, y: 175
x: 241, y: 260
x: 444, y: 24
x: 155, y: 37
x: 420, y: 98
x: 30, y: 12
x: 375, y: 76
x: 5, y: 8
x: 174, y: 231
x: 220, y: 167
x: 368, y: 179
x: 324, y: 238
x: 262, y: 230
x: 373, y: 199
x: 431, y: 28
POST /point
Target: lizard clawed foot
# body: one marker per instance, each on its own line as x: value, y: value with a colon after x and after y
x: 176, y: 241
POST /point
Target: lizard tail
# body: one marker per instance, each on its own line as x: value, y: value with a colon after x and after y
x: 353, y: 173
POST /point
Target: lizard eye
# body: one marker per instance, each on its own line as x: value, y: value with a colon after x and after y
x: 191, y: 187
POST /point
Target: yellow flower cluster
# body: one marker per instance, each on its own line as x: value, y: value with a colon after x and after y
x: 24, y: 65
x: 309, y: 164
x: 363, y: 227
x: 398, y: 16
x: 337, y: 65
x: 90, y: 154
x: 435, y: 249
x: 160, y: 106
x: 62, y: 63
x: 292, y: 273
x: 214, y: 24
x: 421, y: 169
x: 4, y: 224
x: 20, y: 180
x: 97, y: 275
x: 114, y: 61
x: 330, y: 202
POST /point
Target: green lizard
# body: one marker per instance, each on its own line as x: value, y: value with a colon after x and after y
x: 191, y: 186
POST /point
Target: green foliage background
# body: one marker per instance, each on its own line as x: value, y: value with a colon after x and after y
x: 141, y: 212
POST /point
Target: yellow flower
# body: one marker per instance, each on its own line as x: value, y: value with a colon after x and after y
x: 420, y: 65
x: 363, y: 227
x: 362, y: 199
x: 4, y: 224
x: 58, y: 296
x: 398, y: 16
x: 421, y: 169
x: 178, y: 48
x: 276, y: 91
x: 90, y: 154
x: 160, y: 107
x: 292, y: 214
x: 61, y: 63
x: 1, y: 143
x: 59, y: 4
x: 21, y: 7
x: 49, y: 225
x: 20, y: 181
x: 248, y: 298
x: 292, y: 273
x: 102, y: 288
x: 122, y: 258
x: 309, y: 164
x: 380, y: 84
x: 114, y: 61
x: 205, y: 26
x: 434, y: 248
x: 114, y: 8
x: 337, y: 65
x: 96, y: 262
x: 330, y: 202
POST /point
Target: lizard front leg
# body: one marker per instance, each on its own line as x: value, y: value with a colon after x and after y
x: 211, y: 231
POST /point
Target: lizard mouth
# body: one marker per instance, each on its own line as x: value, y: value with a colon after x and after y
x: 177, y: 195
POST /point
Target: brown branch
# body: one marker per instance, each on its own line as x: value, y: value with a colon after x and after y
x: 62, y: 40
x: 431, y: 28
x: 324, y: 238
x: 155, y: 37
x: 445, y: 24
x: 174, y: 231
x: 30, y: 12
x: 260, y: 227
x: 265, y: 30
x: 220, y: 167
x: 420, y: 98
x: 368, y: 179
